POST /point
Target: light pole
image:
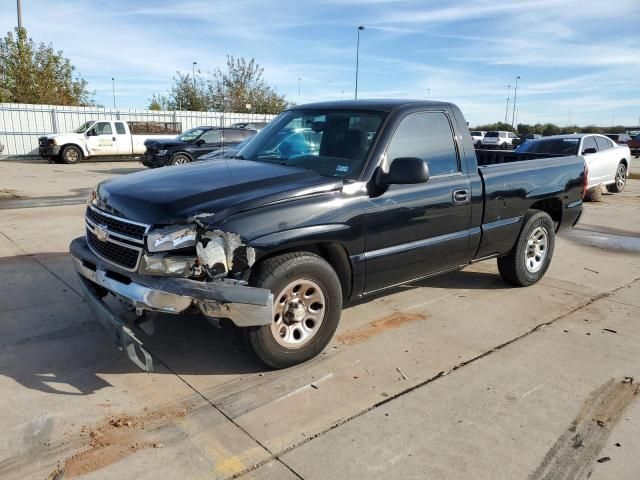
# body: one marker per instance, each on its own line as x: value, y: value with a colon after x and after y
x: 515, y: 99
x: 506, y: 110
x: 193, y: 71
x: 299, y: 88
x: 113, y: 90
x: 360, y: 27
x: 19, y: 15
x: 428, y: 93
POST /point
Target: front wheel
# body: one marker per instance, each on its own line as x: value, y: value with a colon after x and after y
x: 71, y: 154
x: 620, y: 179
x: 530, y: 257
x: 180, y: 159
x: 306, y: 310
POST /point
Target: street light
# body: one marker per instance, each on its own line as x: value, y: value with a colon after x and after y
x: 506, y: 110
x: 515, y: 98
x: 428, y: 93
x: 299, y: 88
x: 357, y: 59
x: 193, y: 71
x: 113, y: 90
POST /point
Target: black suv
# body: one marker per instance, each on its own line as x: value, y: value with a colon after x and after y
x: 191, y: 145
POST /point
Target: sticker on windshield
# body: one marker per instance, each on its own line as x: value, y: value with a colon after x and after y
x: 342, y: 168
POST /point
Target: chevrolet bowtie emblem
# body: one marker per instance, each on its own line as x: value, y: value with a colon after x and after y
x: 101, y: 233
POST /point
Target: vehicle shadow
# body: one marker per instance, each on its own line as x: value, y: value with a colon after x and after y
x: 70, y: 354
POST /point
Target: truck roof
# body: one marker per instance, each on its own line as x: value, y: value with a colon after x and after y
x: 385, y: 105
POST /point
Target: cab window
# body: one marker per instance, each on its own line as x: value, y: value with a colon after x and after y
x: 120, y: 128
x: 211, y: 136
x: 603, y: 143
x: 103, y: 128
x: 426, y: 135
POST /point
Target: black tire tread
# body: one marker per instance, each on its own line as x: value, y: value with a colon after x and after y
x: 68, y: 147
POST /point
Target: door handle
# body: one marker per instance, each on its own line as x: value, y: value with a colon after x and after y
x: 461, y: 196
x: 113, y: 138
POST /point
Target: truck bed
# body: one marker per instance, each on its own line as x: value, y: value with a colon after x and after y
x: 514, y: 182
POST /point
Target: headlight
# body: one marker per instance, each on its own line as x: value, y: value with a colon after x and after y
x: 171, y: 238
x: 162, y: 152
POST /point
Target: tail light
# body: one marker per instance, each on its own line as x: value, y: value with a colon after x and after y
x: 585, y: 180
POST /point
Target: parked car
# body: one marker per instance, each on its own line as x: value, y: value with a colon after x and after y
x: 477, y: 136
x: 277, y: 242
x: 619, y: 138
x: 608, y: 163
x: 97, y: 138
x: 257, y: 126
x: 226, y: 152
x: 500, y: 139
x: 191, y: 145
x: 634, y: 145
x: 1, y: 148
x: 525, y: 137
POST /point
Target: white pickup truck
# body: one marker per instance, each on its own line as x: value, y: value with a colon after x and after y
x: 106, y: 138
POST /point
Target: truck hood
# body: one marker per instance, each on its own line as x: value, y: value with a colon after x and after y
x: 61, y: 138
x: 174, y: 194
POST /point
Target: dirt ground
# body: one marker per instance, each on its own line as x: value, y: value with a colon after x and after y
x: 456, y: 377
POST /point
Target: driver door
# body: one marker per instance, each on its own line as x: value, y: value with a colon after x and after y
x: 416, y: 230
x: 101, y: 140
x: 209, y: 141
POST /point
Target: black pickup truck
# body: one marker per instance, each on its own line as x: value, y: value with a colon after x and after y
x: 328, y: 204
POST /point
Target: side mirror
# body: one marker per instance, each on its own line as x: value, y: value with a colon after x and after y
x: 404, y: 171
x: 588, y: 151
x: 199, y: 142
x: 91, y: 133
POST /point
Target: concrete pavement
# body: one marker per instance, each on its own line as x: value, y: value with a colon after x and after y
x: 459, y: 376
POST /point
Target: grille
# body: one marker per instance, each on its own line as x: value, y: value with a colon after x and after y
x: 118, y: 254
x: 115, y: 225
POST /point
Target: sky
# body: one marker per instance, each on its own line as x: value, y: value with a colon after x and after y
x: 578, y: 60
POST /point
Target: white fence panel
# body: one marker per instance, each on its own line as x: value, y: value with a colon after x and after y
x: 21, y: 124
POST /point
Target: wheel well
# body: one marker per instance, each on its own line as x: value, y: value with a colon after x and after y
x: 335, y: 254
x: 552, y: 206
x: 626, y: 164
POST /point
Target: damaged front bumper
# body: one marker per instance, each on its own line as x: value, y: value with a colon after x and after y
x: 245, y: 306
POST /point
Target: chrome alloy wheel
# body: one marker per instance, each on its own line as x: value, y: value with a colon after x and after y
x: 621, y: 176
x: 536, y: 251
x: 298, y: 312
x: 181, y: 160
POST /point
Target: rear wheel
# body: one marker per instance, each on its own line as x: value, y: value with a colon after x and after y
x: 306, y: 311
x: 530, y: 257
x: 620, y: 179
x: 71, y: 154
x: 180, y: 159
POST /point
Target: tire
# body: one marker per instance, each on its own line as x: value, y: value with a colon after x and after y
x: 504, y: 146
x: 70, y: 154
x: 180, y: 159
x: 530, y: 257
x: 620, y: 179
x: 301, y: 328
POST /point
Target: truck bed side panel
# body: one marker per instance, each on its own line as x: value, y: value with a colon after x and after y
x: 551, y: 184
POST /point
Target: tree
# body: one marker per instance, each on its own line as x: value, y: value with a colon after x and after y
x: 157, y: 102
x: 187, y: 93
x: 500, y: 126
x: 242, y: 89
x: 35, y: 73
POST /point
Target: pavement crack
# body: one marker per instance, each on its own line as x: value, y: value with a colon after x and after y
x: 432, y: 379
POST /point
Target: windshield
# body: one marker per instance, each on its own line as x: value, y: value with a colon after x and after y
x: 334, y: 143
x: 190, y: 135
x: 561, y: 146
x: 84, y: 127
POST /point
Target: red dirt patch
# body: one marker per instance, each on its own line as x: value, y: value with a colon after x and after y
x: 389, y: 322
x: 114, y: 440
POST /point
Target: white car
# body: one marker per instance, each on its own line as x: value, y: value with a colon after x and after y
x: 477, y: 136
x: 103, y: 138
x: 499, y: 139
x: 608, y: 162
